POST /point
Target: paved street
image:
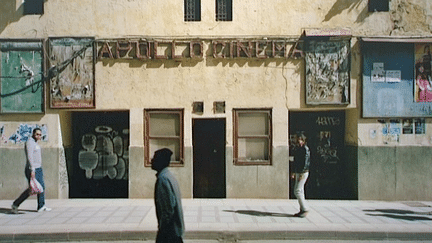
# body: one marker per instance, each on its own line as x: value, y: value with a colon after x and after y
x: 264, y: 241
x: 219, y: 220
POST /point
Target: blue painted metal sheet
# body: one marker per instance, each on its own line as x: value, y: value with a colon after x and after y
x: 391, y: 99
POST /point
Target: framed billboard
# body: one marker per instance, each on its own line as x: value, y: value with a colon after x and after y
x: 327, y: 71
x: 71, y: 75
x: 22, y: 76
x: 396, y: 78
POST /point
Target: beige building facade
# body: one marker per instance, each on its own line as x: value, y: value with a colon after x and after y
x: 120, y: 79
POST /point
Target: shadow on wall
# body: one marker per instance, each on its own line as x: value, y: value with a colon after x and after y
x: 9, y: 13
x: 341, y: 5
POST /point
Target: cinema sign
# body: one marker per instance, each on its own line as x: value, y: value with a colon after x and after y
x: 141, y: 49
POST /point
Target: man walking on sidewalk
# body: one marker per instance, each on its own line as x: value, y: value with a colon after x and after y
x: 301, y: 173
x: 167, y: 196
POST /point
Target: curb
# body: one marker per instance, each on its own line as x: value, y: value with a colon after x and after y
x: 221, y: 236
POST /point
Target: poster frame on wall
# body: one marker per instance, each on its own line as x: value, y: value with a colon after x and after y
x: 71, y: 88
x: 327, y: 70
x: 395, y: 95
x: 423, y: 73
x: 27, y: 77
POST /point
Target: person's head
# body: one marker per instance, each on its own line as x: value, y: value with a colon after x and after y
x: 37, y: 134
x: 161, y: 159
x: 301, y: 140
x: 420, y: 69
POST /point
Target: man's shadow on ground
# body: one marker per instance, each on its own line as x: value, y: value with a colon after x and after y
x: 259, y: 213
x: 20, y: 211
x: 399, y: 214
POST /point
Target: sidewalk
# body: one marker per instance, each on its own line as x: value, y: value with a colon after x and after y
x: 225, y: 220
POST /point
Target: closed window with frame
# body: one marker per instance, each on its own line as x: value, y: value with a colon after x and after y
x: 252, y: 136
x: 223, y: 10
x: 164, y: 129
x: 192, y: 10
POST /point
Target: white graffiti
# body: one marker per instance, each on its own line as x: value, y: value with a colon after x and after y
x: 105, y: 153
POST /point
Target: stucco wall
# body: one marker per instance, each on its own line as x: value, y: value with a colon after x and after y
x: 136, y: 85
x: 108, y: 18
x: 394, y: 173
x: 12, y: 158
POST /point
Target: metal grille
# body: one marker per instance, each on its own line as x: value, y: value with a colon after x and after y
x: 33, y: 7
x: 192, y: 10
x: 378, y: 5
x: 223, y: 10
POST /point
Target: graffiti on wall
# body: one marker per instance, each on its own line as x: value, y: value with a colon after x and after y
x: 105, y: 152
x: 2, y: 134
x: 327, y: 72
x: 22, y: 133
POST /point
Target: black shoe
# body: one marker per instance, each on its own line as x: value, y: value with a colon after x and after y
x: 301, y: 214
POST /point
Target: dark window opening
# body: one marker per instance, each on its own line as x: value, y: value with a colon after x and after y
x: 378, y: 5
x: 33, y: 7
x: 192, y: 10
x: 223, y: 10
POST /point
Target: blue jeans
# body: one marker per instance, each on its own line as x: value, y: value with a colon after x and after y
x: 40, y: 197
x: 300, y: 181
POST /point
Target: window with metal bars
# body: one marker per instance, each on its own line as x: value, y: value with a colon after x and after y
x: 33, y: 7
x: 223, y: 10
x: 378, y: 5
x: 192, y: 10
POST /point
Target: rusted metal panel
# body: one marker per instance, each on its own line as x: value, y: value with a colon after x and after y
x: 71, y: 73
x: 21, y: 76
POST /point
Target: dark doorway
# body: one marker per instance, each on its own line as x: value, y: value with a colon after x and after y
x: 100, y: 155
x: 325, y: 131
x: 209, y: 158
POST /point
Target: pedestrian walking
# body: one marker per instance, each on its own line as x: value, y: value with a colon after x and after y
x: 33, y: 170
x: 167, y: 197
x: 301, y: 173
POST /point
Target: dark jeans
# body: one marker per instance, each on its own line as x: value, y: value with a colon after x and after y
x: 40, y: 197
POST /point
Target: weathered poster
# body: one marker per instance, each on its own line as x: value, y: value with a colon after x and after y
x: 407, y: 126
x: 327, y: 72
x: 378, y: 72
x: 71, y: 72
x: 423, y: 81
x: 420, y: 127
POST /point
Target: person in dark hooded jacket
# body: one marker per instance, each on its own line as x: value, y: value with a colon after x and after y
x: 167, y: 198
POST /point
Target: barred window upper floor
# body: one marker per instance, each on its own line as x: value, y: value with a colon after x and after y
x: 223, y: 10
x: 35, y: 7
x: 192, y: 10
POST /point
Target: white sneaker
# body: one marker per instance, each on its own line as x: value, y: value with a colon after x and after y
x: 44, y: 208
x: 14, y: 209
